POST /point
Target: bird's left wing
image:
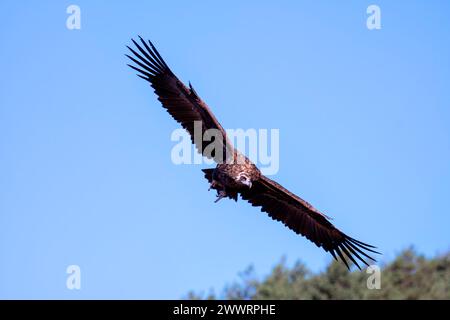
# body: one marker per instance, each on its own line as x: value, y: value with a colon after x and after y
x: 304, y: 219
x: 182, y: 103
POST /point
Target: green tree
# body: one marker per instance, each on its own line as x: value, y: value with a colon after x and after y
x: 409, y: 276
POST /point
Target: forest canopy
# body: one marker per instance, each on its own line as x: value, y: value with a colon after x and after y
x: 409, y: 276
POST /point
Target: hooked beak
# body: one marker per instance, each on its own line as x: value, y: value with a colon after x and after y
x: 248, y: 183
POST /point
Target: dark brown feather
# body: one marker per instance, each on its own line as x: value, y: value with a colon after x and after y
x: 304, y: 219
x: 182, y: 103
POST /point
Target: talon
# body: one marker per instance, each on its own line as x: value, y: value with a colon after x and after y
x: 220, y: 195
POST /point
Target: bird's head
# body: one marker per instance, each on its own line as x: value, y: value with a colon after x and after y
x: 243, y: 179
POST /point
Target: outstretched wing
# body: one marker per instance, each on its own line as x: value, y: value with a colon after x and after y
x: 182, y: 103
x: 304, y: 219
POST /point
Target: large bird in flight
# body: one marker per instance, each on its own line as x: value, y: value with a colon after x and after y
x: 235, y: 174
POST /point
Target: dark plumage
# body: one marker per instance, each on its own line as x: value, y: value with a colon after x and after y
x: 235, y: 174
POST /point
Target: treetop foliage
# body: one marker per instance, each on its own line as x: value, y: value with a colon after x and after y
x: 409, y: 276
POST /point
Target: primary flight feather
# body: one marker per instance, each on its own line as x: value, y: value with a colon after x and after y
x: 235, y: 174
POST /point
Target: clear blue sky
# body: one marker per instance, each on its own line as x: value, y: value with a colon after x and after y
x: 85, y: 170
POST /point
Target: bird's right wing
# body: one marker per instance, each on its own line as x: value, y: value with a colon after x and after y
x: 182, y: 103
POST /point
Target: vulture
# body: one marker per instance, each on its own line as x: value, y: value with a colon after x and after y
x: 235, y: 174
